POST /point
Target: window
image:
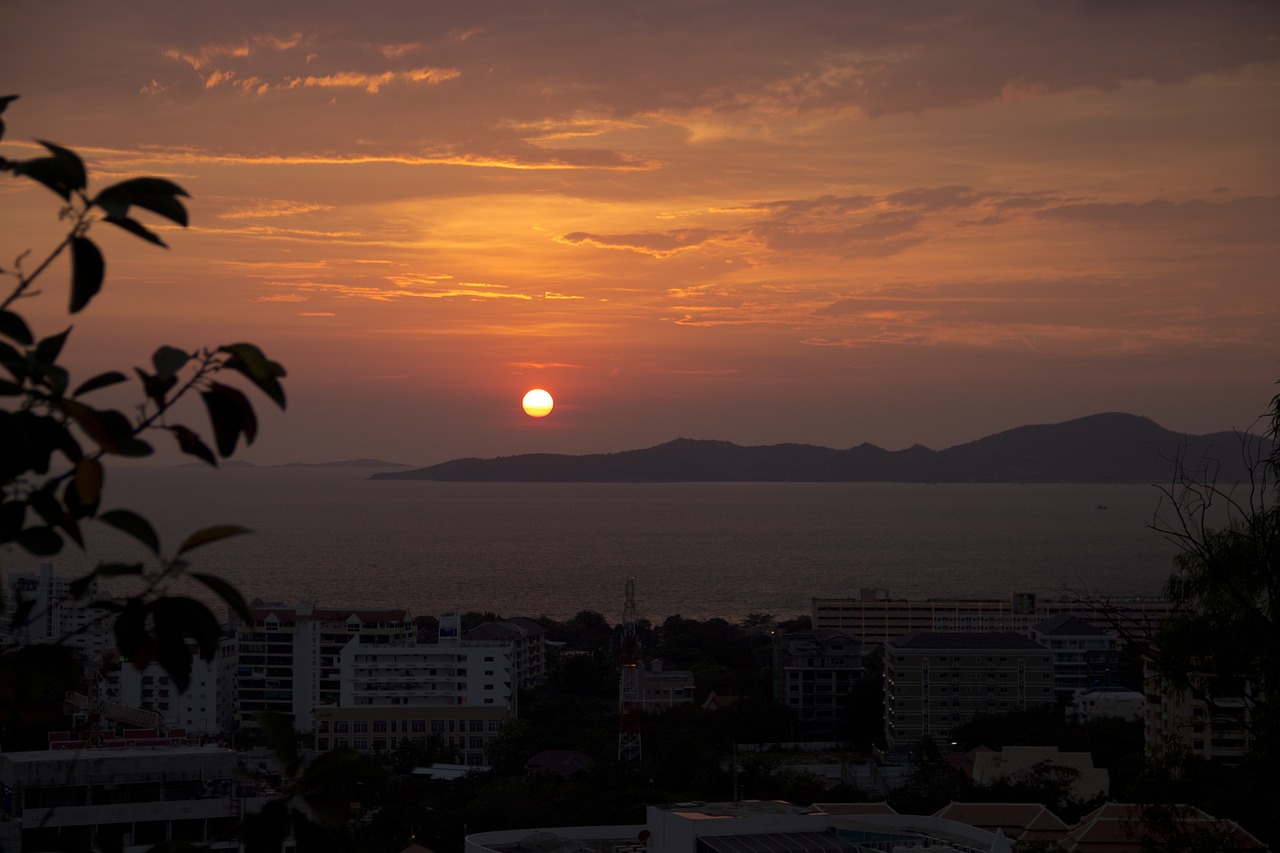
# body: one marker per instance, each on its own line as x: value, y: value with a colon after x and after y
x: 437, y: 727
x: 340, y: 727
x: 477, y: 743
x: 419, y: 727
x: 360, y: 727
x: 477, y: 725
x: 322, y: 744
x: 495, y: 726
x: 362, y: 743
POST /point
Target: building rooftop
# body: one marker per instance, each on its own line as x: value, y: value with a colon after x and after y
x: 963, y: 640
x: 1067, y: 625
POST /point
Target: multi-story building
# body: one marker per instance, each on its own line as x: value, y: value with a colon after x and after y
x: 875, y: 618
x: 136, y: 797
x: 474, y: 673
x: 934, y: 682
x: 465, y: 730
x: 528, y: 642
x: 815, y: 671
x: 55, y: 615
x: 206, y: 708
x: 288, y: 657
x: 1217, y: 727
x: 660, y: 689
x: 460, y: 691
x: 1084, y: 655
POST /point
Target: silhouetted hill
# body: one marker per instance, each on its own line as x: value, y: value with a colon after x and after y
x: 1106, y: 448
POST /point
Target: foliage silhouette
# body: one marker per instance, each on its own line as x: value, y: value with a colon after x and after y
x: 55, y: 444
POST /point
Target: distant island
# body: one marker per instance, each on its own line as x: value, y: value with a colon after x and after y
x: 1105, y: 448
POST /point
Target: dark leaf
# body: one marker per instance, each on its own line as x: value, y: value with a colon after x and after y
x: 12, y: 514
x: 134, y: 447
x: 282, y: 740
x: 132, y: 639
x: 264, y: 831
x: 136, y: 228
x: 22, y: 607
x: 87, y: 270
x: 55, y: 378
x: 174, y: 621
x: 109, y: 429
x: 48, y: 350
x: 13, y: 327
x: 34, y: 681
x: 4, y: 102
x: 63, y: 172
x: 104, y: 604
x: 227, y: 593
x: 211, y: 534
x: 133, y: 524
x: 169, y: 360
x: 156, y: 387
x: 154, y: 194
x: 12, y: 361
x: 40, y: 541
x: 314, y: 838
x: 76, y: 508
x: 231, y: 415
x: 102, y: 380
x: 46, y: 505
x: 71, y: 527
x: 249, y: 361
x: 89, y: 476
x: 192, y: 445
x: 193, y: 619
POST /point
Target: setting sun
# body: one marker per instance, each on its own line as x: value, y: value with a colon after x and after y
x: 537, y: 403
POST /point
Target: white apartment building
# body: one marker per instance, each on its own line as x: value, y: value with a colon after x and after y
x: 55, y: 615
x: 288, y: 657
x: 207, y: 707
x: 1084, y: 655
x: 660, y: 689
x: 474, y: 673
x: 464, y: 730
x: 528, y: 642
x: 815, y: 672
x: 934, y: 682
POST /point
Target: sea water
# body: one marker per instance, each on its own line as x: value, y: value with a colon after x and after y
x: 701, y: 550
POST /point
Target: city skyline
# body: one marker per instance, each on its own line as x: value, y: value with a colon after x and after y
x: 820, y: 222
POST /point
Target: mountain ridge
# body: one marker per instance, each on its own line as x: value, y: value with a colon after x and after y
x: 1111, y: 447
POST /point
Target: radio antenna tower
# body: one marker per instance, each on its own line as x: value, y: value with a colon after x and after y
x: 629, y: 684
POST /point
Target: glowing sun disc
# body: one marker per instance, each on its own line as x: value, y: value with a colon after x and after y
x: 538, y: 403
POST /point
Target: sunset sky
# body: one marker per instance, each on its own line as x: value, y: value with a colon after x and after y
x: 826, y: 222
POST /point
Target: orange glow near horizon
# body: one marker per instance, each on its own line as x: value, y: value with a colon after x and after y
x: 877, y: 217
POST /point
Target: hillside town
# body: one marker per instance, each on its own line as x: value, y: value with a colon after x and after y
x: 871, y: 723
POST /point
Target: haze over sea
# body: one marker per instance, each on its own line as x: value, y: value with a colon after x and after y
x: 333, y: 536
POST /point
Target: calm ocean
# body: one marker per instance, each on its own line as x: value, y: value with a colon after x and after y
x: 701, y: 550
